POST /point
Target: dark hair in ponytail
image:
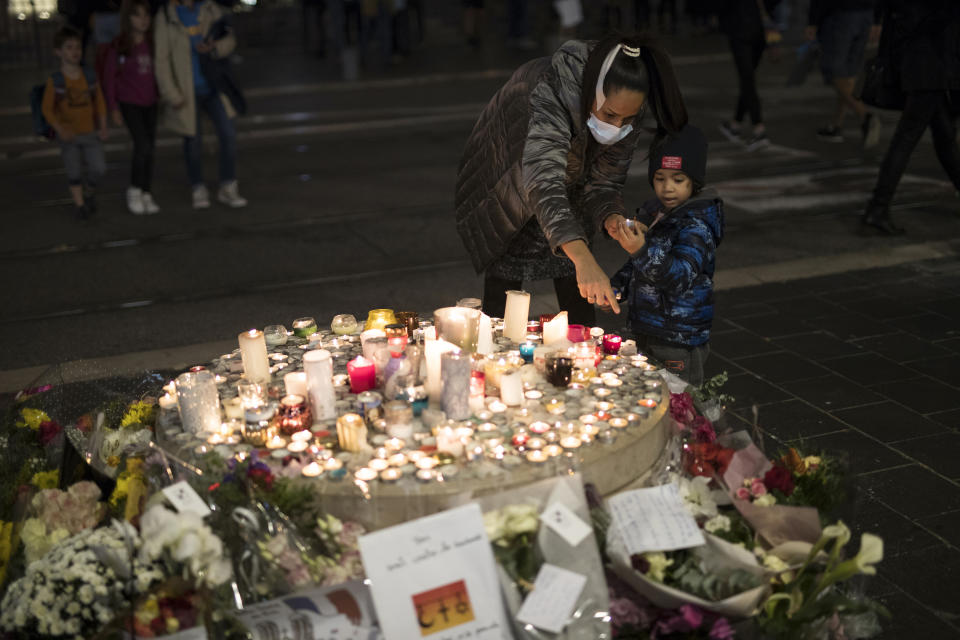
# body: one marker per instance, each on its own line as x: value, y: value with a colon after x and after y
x: 651, y: 73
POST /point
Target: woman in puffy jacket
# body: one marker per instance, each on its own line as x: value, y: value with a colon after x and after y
x: 545, y: 165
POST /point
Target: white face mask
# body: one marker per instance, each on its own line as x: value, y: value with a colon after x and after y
x: 606, y: 133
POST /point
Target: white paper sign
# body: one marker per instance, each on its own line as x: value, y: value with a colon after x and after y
x: 654, y: 519
x: 435, y: 578
x: 554, y: 596
x: 565, y: 523
x: 182, y: 496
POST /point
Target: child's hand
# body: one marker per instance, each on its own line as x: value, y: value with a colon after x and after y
x: 116, y: 117
x: 631, y: 239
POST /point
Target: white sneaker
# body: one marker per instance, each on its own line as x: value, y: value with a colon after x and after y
x: 149, y: 204
x: 135, y: 201
x: 229, y: 195
x: 201, y: 197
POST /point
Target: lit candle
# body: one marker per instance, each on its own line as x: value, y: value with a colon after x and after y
x: 649, y: 403
x: 312, y: 470
x: 426, y: 463
x: 536, y: 443
x: 596, y: 333
x: 233, y: 409
x: 415, y: 456
x: 390, y: 475
x: 302, y: 436
x: 304, y: 327
x: 365, y: 474
x: 515, y: 316
x: 455, y: 394
x: 397, y: 460
x: 363, y: 374
x: 485, y: 335
x: 199, y: 402
x: 511, y: 388
x: 611, y: 344
x: 449, y: 442
x: 296, y: 383
x: 536, y: 456
x: 215, y: 438
x: 332, y: 464
x: 343, y: 324
x: 526, y: 351
x: 539, y: 427
x: 553, y: 450
x: 555, y: 330
x: 297, y: 446
x: 167, y: 401
x: 576, y: 333
x: 378, y: 464
x: 459, y: 326
x: 276, y: 442
x: 253, y: 351
x: 426, y: 475
x: 619, y: 423
x: 570, y: 442
x: 352, y: 432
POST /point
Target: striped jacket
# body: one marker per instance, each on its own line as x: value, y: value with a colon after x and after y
x: 669, y: 282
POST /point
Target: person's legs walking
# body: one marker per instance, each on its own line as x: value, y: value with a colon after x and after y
x: 569, y: 299
x: 73, y: 166
x: 228, y: 193
x: 495, y: 294
x: 134, y: 118
x: 95, y: 167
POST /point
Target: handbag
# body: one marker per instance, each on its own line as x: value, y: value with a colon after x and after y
x: 880, y: 87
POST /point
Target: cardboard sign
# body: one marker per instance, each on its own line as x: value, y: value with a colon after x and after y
x: 435, y: 578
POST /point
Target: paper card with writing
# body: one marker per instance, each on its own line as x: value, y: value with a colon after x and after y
x: 567, y: 524
x: 553, y: 599
x: 435, y: 578
x: 654, y: 519
x: 182, y: 496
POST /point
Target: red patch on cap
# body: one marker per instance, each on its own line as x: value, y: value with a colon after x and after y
x: 671, y: 162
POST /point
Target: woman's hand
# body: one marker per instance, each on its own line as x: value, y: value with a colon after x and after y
x: 593, y: 282
x: 631, y: 238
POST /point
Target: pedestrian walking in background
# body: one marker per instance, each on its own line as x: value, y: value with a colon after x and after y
x: 843, y: 28
x: 189, y: 36
x: 920, y: 45
x: 746, y: 22
x: 473, y: 21
x: 73, y: 106
x: 544, y: 167
x: 130, y: 88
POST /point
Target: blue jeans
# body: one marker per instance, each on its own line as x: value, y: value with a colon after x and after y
x: 226, y: 137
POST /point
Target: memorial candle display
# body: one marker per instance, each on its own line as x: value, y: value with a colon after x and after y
x: 555, y: 330
x: 318, y: 368
x: 515, y: 316
x: 253, y: 352
x: 199, y: 402
x: 363, y: 374
x: 455, y: 393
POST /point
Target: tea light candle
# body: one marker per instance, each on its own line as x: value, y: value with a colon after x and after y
x: 312, y: 470
x: 167, y: 401
x: 297, y: 447
x: 426, y: 475
x: 570, y: 442
x: 539, y: 427
x: 533, y: 395
x: 215, y: 438
x: 619, y: 423
x: 302, y: 436
x: 536, y: 456
x: 536, y: 443
x: 553, y: 450
x: 253, y: 351
x: 378, y: 464
x: 397, y: 460
x: 426, y: 463
x: 390, y: 476
x: 649, y: 403
x: 276, y: 442
x: 333, y: 464
x: 363, y: 374
x: 496, y: 407
x: 602, y: 392
x: 365, y: 474
x: 515, y: 316
x: 596, y: 332
x: 555, y: 330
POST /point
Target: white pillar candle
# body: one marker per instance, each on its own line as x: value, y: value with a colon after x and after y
x: 253, y: 351
x: 511, y: 388
x: 555, y: 330
x: 516, y: 315
x: 485, y: 338
x: 199, y: 402
x: 318, y: 367
x: 432, y: 351
x: 296, y: 383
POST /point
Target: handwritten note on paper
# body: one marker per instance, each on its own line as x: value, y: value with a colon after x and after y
x: 567, y: 524
x: 554, y: 596
x: 654, y: 519
x: 435, y: 577
x: 182, y: 496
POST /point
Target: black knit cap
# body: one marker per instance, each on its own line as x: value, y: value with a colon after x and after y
x: 685, y: 151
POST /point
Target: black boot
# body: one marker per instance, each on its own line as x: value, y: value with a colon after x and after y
x: 877, y: 219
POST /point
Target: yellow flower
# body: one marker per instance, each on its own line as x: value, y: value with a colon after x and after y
x: 173, y: 625
x: 765, y: 500
x: 658, y: 565
x: 148, y: 610
x: 812, y: 462
x: 139, y: 413
x: 46, y: 479
x: 32, y: 418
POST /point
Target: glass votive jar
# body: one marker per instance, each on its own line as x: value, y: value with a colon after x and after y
x: 611, y: 344
x: 295, y: 415
x: 275, y: 335
x: 304, y: 327
x: 470, y: 303
x: 251, y: 394
x: 379, y: 318
x: 559, y: 368
x: 258, y: 425
x: 577, y: 333
x: 397, y: 338
x: 410, y: 320
x: 344, y: 324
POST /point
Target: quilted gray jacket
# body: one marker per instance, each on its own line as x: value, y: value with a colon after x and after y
x: 531, y: 155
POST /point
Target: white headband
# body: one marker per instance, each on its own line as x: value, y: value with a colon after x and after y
x: 633, y: 52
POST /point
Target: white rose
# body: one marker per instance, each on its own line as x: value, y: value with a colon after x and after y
x: 717, y: 523
x: 493, y: 522
x: 521, y: 519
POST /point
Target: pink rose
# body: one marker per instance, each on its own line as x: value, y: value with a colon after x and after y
x: 757, y: 488
x: 85, y: 491
x: 743, y: 493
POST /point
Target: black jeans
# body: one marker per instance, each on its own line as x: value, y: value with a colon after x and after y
x: 922, y: 109
x: 746, y: 57
x: 142, y: 124
x: 579, y: 311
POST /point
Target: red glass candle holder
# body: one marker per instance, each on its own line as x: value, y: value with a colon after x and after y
x: 577, y: 333
x: 295, y: 415
x: 611, y: 344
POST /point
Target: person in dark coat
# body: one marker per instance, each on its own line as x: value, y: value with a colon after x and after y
x: 544, y: 167
x: 743, y: 21
x: 921, y: 41
x: 672, y: 244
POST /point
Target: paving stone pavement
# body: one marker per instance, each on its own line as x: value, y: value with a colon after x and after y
x: 865, y: 365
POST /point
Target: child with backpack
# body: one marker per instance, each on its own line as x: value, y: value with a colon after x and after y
x: 672, y: 247
x: 74, y: 108
x: 131, y: 93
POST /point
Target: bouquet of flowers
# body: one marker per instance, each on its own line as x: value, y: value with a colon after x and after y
x: 57, y: 515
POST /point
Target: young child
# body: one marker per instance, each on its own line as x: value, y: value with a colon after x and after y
x: 76, y: 112
x: 131, y: 92
x: 672, y: 245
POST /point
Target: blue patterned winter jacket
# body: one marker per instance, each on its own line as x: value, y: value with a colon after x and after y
x: 669, y: 282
